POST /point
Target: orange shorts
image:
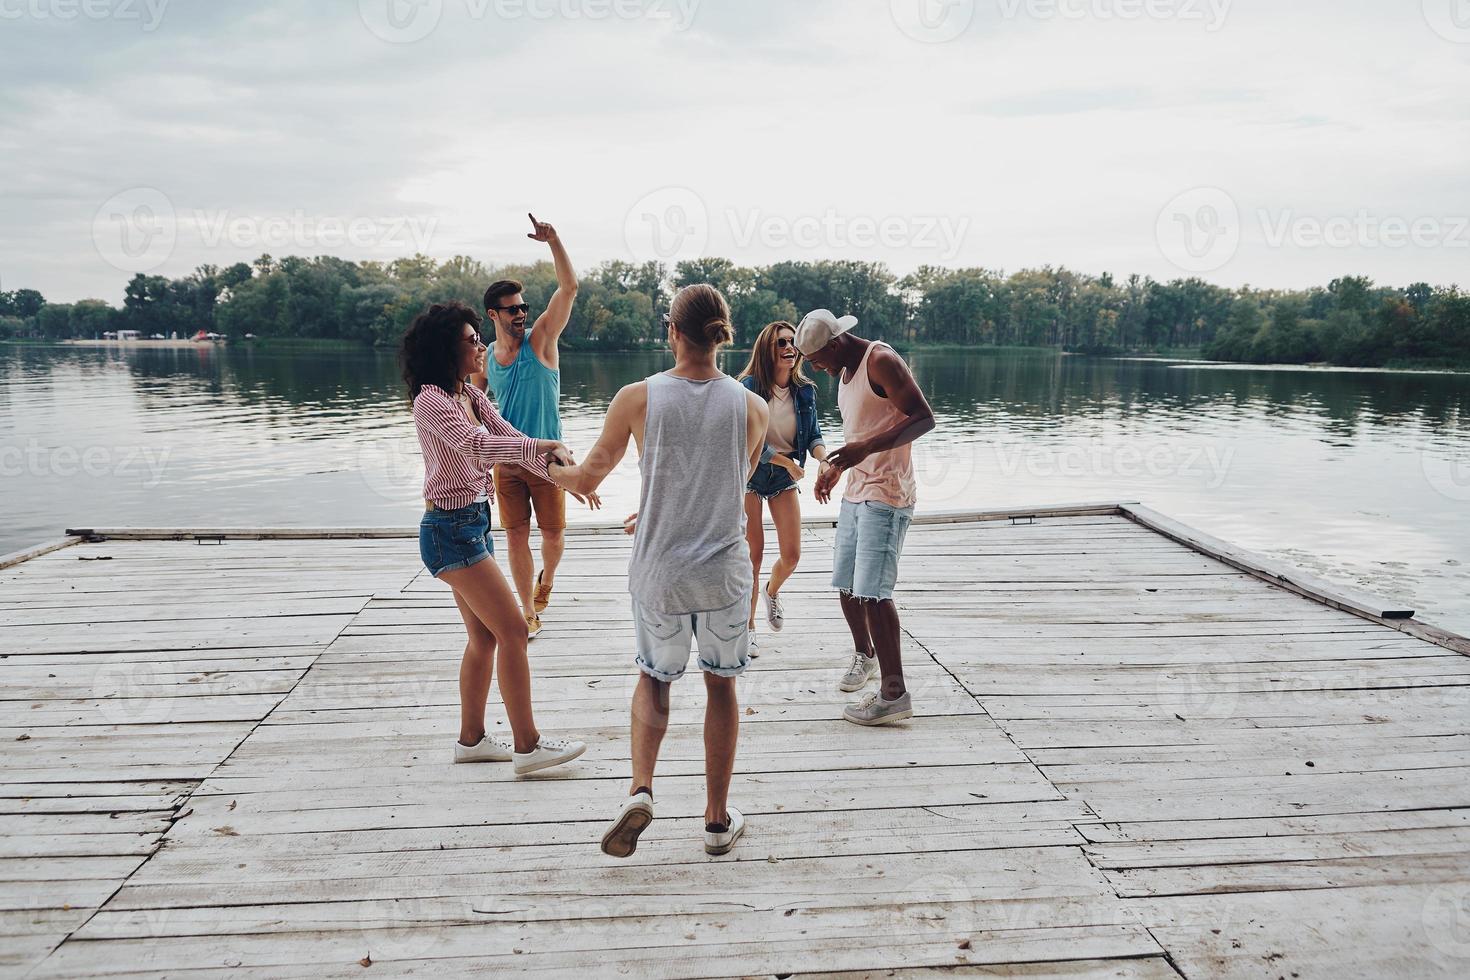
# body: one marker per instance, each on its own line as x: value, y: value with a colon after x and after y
x: 518, y: 493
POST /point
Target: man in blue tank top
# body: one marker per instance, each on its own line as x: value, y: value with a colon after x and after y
x: 523, y: 372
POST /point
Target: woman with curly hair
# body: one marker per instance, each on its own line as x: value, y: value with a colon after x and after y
x: 775, y: 373
x: 463, y: 437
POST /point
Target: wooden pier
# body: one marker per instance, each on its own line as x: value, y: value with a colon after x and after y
x: 1138, y: 753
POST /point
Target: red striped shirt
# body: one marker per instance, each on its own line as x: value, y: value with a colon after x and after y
x: 458, y: 456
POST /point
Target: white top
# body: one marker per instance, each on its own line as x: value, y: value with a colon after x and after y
x: 781, y: 431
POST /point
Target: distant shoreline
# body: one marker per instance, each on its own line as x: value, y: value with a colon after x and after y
x: 153, y: 344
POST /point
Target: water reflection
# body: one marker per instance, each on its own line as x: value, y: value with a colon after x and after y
x: 1361, y: 475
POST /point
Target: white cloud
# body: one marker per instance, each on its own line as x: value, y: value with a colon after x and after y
x: 1050, y: 139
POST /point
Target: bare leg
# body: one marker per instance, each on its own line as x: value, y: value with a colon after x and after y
x: 857, y: 623
x: 887, y: 637
x: 485, y: 590
x: 786, y: 512
x: 474, y: 675
x: 755, y: 536
x: 650, y: 721
x: 721, y: 731
x: 553, y: 546
x: 522, y: 570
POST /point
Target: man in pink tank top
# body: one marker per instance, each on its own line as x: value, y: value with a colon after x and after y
x: 883, y: 412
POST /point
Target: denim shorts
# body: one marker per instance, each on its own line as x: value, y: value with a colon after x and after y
x: 723, y: 637
x: 453, y: 539
x: 869, y: 542
x: 769, y: 481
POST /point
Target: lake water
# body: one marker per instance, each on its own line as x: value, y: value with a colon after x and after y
x: 1362, y: 477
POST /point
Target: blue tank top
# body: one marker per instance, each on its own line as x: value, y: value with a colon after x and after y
x: 528, y: 393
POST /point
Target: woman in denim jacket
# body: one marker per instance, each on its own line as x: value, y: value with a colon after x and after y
x: 774, y: 373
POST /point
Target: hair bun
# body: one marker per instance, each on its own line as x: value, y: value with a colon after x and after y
x: 719, y: 332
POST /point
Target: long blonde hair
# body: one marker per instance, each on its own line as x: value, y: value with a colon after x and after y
x: 762, y: 365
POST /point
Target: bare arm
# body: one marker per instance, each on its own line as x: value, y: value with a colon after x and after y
x: 550, y: 324
x: 757, y: 417
x: 624, y: 417
x: 889, y: 372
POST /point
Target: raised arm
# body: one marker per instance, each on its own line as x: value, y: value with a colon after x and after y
x: 549, y: 325
x: 624, y: 418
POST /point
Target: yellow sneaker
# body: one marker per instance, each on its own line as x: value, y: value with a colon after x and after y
x: 533, y: 626
x: 542, y: 598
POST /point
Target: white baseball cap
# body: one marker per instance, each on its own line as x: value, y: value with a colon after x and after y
x: 819, y: 328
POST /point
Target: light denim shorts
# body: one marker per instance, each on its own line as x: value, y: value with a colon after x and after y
x: 869, y: 542
x: 723, y: 637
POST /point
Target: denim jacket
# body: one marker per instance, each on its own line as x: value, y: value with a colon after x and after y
x: 808, y: 432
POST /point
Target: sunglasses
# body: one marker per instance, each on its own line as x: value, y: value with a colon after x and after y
x: 784, y: 342
x: 518, y: 308
x: 476, y: 341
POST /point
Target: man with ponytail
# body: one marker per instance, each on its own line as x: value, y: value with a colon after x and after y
x: 700, y: 434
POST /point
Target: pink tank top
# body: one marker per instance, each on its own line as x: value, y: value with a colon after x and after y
x: 886, y: 477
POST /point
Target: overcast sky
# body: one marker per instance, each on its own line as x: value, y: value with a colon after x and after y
x: 1270, y: 142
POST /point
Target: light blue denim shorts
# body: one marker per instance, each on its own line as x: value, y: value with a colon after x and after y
x: 869, y: 542
x: 723, y: 637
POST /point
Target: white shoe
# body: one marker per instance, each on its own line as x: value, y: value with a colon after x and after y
x: 486, y: 749
x: 547, y: 753
x: 755, y: 647
x: 874, y: 710
x: 775, y: 612
x: 859, y: 672
x: 722, y: 842
x: 621, y: 839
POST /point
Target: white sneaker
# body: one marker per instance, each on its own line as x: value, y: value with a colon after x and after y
x: 775, y: 612
x: 874, y: 710
x: 621, y: 839
x: 721, y: 842
x: 755, y: 646
x: 486, y: 749
x: 547, y: 753
x: 859, y: 672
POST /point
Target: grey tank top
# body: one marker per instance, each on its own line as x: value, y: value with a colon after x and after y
x: 689, y: 550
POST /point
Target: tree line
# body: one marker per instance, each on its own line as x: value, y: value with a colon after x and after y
x: 1351, y: 321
